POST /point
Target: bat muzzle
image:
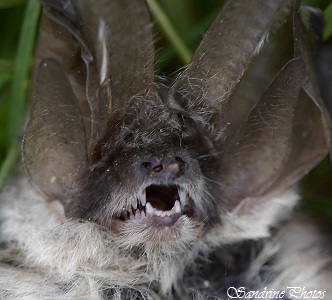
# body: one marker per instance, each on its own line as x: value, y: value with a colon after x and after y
x: 160, y: 205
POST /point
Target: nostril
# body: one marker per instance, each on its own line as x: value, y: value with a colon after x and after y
x: 151, y: 167
x: 175, y: 167
x: 165, y: 167
x: 158, y: 168
x: 179, y: 160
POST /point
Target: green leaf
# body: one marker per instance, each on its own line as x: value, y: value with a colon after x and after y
x: 169, y: 31
x: 10, y: 3
x: 328, y: 20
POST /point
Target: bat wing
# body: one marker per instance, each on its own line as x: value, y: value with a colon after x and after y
x: 93, y: 59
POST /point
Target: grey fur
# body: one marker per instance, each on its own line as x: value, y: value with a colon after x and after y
x: 45, y: 256
x: 189, y: 196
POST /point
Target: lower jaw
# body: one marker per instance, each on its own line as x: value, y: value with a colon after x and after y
x: 140, y: 232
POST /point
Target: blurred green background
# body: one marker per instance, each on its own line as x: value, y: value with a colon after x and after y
x: 179, y: 26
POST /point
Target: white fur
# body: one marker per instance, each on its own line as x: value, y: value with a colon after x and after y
x: 253, y: 217
x: 82, y: 255
x: 304, y: 258
x: 47, y: 257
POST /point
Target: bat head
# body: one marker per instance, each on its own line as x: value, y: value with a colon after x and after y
x: 241, y: 123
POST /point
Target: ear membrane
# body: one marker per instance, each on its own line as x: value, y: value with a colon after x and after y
x: 260, y: 150
x: 204, y: 90
x: 256, y: 99
x: 53, y: 156
x: 94, y: 59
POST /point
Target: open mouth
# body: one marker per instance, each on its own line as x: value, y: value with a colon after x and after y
x: 161, y: 204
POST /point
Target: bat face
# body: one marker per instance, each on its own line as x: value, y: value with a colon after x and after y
x: 149, y: 185
x: 163, y: 174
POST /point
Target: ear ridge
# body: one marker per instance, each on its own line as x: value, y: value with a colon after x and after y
x: 304, y: 50
x: 259, y: 151
x: 312, y: 130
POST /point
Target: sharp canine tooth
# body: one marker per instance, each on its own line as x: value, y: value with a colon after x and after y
x: 149, y: 210
x: 183, y: 196
x: 134, y: 203
x: 142, y: 197
x: 143, y: 214
x: 177, y: 207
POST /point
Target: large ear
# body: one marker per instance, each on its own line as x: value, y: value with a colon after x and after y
x: 116, y: 55
x: 120, y: 35
x: 322, y: 58
x: 260, y: 151
x: 285, y: 135
x: 215, y: 88
x: 267, y: 134
x: 93, y: 58
x: 54, y: 153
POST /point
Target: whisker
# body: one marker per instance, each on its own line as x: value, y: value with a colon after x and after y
x: 208, y: 155
x: 215, y: 181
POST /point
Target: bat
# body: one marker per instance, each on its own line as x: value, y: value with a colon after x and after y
x: 130, y: 193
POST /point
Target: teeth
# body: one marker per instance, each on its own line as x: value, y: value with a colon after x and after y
x: 134, y: 204
x: 183, y: 196
x: 177, y: 207
x: 149, y: 210
x: 142, y: 197
x: 141, y: 209
x: 138, y: 215
x: 160, y: 213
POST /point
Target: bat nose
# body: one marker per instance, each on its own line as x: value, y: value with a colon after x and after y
x: 168, y: 168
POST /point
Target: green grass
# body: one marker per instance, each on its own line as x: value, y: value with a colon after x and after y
x: 16, y: 61
x: 183, y: 24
